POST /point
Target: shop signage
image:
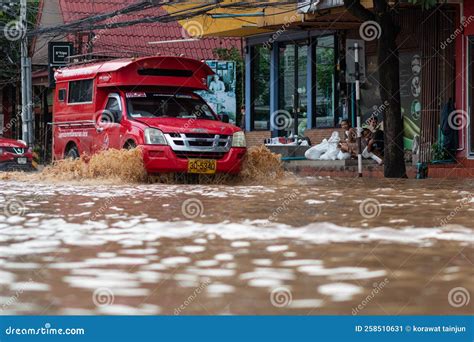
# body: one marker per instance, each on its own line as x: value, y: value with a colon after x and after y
x: 58, y: 52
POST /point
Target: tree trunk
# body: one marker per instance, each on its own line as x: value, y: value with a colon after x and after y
x: 389, y: 74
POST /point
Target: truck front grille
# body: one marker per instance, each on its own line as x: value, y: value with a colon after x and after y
x: 199, y: 142
x: 14, y: 150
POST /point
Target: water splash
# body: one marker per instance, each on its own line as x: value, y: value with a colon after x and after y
x: 115, y: 165
x: 260, y: 166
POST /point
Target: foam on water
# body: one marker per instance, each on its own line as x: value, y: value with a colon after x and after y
x: 48, y: 234
x: 340, y: 292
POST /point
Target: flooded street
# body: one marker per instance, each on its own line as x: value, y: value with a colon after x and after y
x: 318, y: 246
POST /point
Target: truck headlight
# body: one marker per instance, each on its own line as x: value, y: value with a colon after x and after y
x: 154, y: 136
x: 238, y: 139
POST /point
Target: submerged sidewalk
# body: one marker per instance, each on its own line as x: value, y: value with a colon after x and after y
x: 348, y: 168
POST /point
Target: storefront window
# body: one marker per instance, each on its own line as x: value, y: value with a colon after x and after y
x: 292, y: 88
x: 260, y: 110
x: 325, y: 81
x: 471, y: 95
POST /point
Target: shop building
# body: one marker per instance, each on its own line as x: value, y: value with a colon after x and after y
x: 296, y: 80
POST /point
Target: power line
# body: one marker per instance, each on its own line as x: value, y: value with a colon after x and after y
x: 201, y: 9
x: 97, y: 18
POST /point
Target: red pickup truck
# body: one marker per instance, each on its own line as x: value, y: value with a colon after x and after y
x: 147, y: 102
x: 15, y: 156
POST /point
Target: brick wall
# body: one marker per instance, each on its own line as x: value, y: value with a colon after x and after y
x: 257, y: 137
x: 317, y: 135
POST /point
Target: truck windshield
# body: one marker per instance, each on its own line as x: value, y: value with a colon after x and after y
x: 150, y: 105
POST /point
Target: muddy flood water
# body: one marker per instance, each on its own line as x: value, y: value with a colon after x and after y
x: 313, y: 246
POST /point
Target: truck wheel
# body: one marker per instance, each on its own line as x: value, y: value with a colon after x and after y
x: 72, y: 153
x: 129, y: 145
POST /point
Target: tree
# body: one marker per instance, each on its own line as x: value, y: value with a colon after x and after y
x: 10, y: 37
x: 389, y: 71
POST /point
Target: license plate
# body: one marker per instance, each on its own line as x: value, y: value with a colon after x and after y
x: 207, y: 166
x: 22, y: 160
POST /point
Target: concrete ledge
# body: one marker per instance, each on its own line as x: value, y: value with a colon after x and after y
x: 339, y: 168
x: 326, y: 164
x: 289, y: 150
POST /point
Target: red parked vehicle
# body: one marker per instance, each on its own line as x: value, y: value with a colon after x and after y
x: 15, y: 156
x: 147, y: 102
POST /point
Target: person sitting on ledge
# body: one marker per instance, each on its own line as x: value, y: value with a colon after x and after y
x: 369, y: 146
x: 349, y: 145
x: 377, y: 143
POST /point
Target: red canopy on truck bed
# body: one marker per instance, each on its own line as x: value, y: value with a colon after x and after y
x: 145, y: 71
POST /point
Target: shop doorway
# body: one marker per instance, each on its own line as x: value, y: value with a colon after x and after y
x: 470, y: 68
x: 324, y: 70
x: 292, y: 92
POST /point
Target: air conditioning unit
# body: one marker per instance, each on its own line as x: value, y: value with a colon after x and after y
x: 307, y: 6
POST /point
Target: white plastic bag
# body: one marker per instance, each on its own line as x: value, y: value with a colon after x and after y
x: 316, y: 151
x: 333, y: 150
x: 343, y: 155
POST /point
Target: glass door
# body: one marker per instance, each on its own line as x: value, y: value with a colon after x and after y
x: 470, y: 68
x: 293, y: 104
x: 260, y: 104
x: 325, y: 60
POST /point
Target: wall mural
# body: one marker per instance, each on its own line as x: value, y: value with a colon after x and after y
x: 410, y: 94
x: 221, y: 95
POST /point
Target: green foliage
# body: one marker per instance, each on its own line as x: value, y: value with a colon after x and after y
x: 325, y: 70
x: 10, y: 49
x: 425, y: 4
x: 438, y: 152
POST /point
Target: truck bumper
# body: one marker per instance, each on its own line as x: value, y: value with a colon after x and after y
x: 162, y: 159
x: 12, y: 165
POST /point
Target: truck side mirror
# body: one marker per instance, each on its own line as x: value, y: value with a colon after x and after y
x: 225, y: 118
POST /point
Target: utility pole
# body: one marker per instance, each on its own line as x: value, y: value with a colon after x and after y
x: 26, y: 82
x: 357, y: 108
